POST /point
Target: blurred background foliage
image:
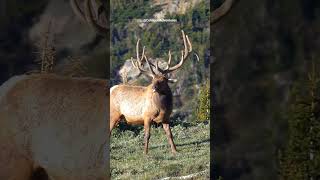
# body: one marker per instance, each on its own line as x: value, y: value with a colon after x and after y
x: 260, y: 50
x: 300, y: 158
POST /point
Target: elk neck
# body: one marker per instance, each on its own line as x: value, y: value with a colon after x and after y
x: 164, y: 97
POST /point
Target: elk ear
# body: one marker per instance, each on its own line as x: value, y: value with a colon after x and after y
x: 172, y: 80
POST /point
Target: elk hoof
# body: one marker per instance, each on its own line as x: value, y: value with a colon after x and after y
x: 174, y: 152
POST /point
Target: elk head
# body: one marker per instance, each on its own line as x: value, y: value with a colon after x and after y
x: 88, y: 16
x: 160, y: 78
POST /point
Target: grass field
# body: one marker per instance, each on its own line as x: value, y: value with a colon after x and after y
x: 129, y: 162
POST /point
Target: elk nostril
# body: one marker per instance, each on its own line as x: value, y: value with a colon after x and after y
x: 154, y: 87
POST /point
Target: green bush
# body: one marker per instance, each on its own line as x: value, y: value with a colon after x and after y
x: 203, y: 109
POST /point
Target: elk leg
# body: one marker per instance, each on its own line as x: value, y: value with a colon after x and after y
x: 114, y: 119
x: 167, y: 129
x: 146, y: 136
x: 112, y: 124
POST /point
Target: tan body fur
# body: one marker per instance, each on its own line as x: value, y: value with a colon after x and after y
x: 142, y: 105
x: 56, y: 123
x: 139, y: 104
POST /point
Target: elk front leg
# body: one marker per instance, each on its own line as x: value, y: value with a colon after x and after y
x: 112, y: 124
x: 167, y: 129
x: 114, y: 119
x: 146, y: 136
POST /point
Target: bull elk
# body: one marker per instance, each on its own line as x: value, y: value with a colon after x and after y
x: 144, y: 105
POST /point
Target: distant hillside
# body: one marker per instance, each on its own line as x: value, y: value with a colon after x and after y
x: 175, y: 6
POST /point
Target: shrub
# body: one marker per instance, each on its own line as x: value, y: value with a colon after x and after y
x: 203, y: 109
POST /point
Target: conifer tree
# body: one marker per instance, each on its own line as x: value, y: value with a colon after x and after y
x: 301, y: 158
x: 203, y: 110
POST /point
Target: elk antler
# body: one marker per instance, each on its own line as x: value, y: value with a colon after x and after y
x: 221, y: 11
x: 184, y: 55
x: 138, y: 63
x: 88, y: 15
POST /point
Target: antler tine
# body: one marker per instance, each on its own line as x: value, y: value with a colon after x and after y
x: 157, y: 65
x: 198, y: 59
x: 138, y: 63
x: 137, y: 50
x: 189, y: 43
x: 142, y: 53
x: 184, y: 43
x: 169, y: 61
x: 150, y: 68
x: 133, y: 63
x: 131, y: 59
x: 184, y: 54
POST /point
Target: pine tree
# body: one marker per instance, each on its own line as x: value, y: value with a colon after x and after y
x: 301, y: 158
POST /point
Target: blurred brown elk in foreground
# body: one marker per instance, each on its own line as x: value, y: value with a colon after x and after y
x: 142, y: 105
x: 53, y: 126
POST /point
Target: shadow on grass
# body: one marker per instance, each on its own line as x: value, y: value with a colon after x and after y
x: 194, y: 142
x: 123, y: 126
x: 182, y: 144
x: 177, y: 144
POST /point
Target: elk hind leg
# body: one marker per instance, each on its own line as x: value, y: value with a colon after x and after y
x: 168, y: 132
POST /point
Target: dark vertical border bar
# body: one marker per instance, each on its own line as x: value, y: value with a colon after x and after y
x: 212, y: 98
x: 219, y: 8
x: 107, y: 8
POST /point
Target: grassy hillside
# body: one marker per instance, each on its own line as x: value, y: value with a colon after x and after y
x: 193, y: 153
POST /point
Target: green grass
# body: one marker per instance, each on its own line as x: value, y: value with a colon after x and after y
x: 129, y: 162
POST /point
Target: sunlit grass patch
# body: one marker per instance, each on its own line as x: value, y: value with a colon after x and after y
x: 129, y: 162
